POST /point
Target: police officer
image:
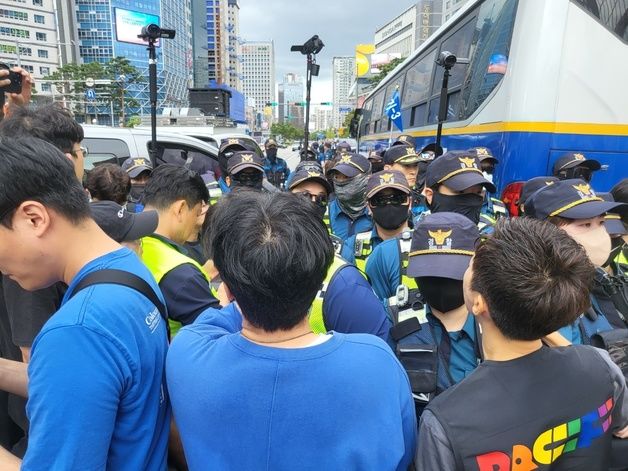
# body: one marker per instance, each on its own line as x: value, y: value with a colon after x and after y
x: 575, y: 165
x: 139, y: 170
x: 276, y: 168
x: 348, y: 214
x: 620, y: 194
x: 404, y: 140
x: 442, y: 247
x: 573, y: 206
x: 388, y: 201
x: 245, y: 170
x: 346, y: 302
x: 454, y: 183
x: 227, y: 148
x: 618, y: 233
x: 427, y: 155
x: 530, y: 187
x: 404, y: 159
x: 376, y: 158
x: 493, y: 208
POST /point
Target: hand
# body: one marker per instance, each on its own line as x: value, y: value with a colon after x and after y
x: 623, y: 433
x: 24, y: 97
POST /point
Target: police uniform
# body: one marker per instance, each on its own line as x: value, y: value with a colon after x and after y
x: 134, y: 167
x: 442, y: 246
x: 341, y: 224
x: 227, y: 148
x: 575, y: 165
x: 575, y: 199
x: 530, y: 187
x: 276, y: 170
x: 493, y: 208
x: 357, y: 248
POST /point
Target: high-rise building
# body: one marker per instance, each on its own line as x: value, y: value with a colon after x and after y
x: 320, y: 118
x: 200, y: 58
x: 67, y: 29
x: 217, y: 40
x: 290, y: 92
x: 343, y: 76
x: 450, y: 7
x: 234, y: 69
x: 258, y: 77
x: 98, y: 42
x: 28, y: 38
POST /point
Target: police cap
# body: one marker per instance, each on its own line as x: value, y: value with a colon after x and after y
x: 457, y: 170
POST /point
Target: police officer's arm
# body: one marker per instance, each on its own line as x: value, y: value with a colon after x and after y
x: 187, y: 293
x: 434, y: 450
x: 13, y: 378
x: 382, y: 269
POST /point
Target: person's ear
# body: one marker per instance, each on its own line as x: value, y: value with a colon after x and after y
x: 178, y: 208
x: 387, y: 167
x: 32, y: 216
x: 480, y: 306
x: 429, y: 194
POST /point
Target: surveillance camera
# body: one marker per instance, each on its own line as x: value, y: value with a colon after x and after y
x: 446, y: 59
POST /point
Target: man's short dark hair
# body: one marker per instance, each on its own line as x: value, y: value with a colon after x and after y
x: 534, y: 277
x: 169, y: 183
x: 33, y: 169
x: 51, y: 123
x: 273, y: 252
x: 620, y: 191
x: 108, y: 182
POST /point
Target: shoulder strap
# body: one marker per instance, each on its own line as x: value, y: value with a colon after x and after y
x: 123, y: 278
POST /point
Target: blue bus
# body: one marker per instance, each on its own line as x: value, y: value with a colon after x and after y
x: 543, y: 78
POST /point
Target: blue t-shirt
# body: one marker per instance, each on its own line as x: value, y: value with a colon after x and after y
x: 97, y: 393
x: 342, y: 404
x: 351, y: 307
x: 343, y: 226
x: 383, y: 267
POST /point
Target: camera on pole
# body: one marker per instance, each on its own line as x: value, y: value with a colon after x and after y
x: 151, y: 34
x: 310, y: 48
x: 447, y: 61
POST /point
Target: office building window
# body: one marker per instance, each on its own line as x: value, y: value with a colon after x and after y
x: 41, y: 36
x: 39, y: 19
x: 42, y: 53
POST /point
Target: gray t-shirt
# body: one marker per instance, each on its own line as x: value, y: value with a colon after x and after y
x: 435, y: 452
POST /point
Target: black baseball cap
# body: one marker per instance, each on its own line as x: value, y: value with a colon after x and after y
x: 133, y: 167
x: 352, y: 164
x: 612, y: 221
x: 376, y: 156
x: 307, y: 154
x: 442, y: 246
x: 310, y: 173
x: 433, y: 148
x: 457, y: 170
x: 483, y: 153
x: 270, y: 143
x: 234, y: 144
x: 404, y: 155
x: 245, y: 159
x: 122, y: 225
x: 533, y: 185
x: 571, y: 199
x: 404, y: 140
x: 343, y: 146
x: 574, y: 159
x: 386, y: 179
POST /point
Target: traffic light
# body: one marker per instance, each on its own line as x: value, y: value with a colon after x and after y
x: 328, y: 103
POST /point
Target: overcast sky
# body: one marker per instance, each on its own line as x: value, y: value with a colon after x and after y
x: 341, y: 24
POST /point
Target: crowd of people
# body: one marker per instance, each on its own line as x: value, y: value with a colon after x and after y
x: 383, y: 312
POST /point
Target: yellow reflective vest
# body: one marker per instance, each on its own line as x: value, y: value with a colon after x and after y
x: 161, y: 258
x: 317, y: 318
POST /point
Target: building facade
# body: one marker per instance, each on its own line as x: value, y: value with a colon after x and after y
x: 258, y: 78
x: 289, y: 92
x: 28, y: 38
x: 343, y: 76
x: 320, y: 118
x: 217, y: 40
x: 234, y: 63
x: 200, y: 54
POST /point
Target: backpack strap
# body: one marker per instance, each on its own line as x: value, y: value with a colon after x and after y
x: 123, y: 278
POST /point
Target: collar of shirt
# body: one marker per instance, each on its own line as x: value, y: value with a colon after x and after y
x: 173, y: 244
x: 223, y: 186
x: 468, y: 329
x: 335, y: 211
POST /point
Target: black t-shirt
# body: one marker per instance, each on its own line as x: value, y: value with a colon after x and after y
x: 28, y: 311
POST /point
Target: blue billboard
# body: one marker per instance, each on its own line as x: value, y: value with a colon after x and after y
x: 129, y: 24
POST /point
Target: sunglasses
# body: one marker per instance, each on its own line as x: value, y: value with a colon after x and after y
x: 396, y: 199
x: 583, y: 172
x: 321, y: 200
x: 248, y: 178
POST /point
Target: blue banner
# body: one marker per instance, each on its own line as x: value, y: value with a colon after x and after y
x: 393, y: 110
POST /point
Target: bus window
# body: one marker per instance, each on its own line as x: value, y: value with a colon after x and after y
x: 419, y: 113
x: 452, y: 108
x: 390, y: 89
x: 490, y: 53
x: 419, y: 79
x: 613, y: 14
x: 378, y: 103
x: 458, y: 44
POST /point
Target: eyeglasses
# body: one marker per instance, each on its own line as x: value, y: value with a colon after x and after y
x: 246, y: 178
x: 395, y: 199
x: 84, y: 151
x: 583, y: 172
x: 318, y: 199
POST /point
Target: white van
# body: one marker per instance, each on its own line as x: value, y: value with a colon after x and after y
x: 115, y: 145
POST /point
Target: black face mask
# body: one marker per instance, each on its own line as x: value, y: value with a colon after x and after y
x: 420, y: 176
x: 442, y: 294
x: 390, y: 216
x: 137, y: 191
x: 271, y: 153
x: 617, y: 245
x: 467, y: 204
x: 252, y: 181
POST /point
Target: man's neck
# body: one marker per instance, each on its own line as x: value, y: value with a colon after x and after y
x: 299, y: 336
x: 386, y: 234
x: 89, y: 242
x: 499, y: 348
x: 164, y: 229
x: 453, y: 320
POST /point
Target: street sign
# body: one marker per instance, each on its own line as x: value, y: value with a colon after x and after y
x: 344, y: 109
x: 89, y: 82
x: 90, y: 94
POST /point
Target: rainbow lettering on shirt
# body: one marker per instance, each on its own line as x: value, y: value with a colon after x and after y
x: 551, y: 444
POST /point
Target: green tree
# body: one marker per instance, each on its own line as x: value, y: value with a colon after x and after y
x: 385, y: 69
